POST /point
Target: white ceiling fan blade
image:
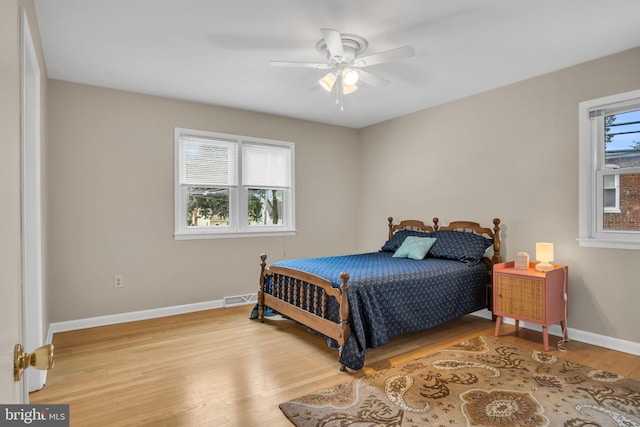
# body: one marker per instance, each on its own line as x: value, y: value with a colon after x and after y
x: 388, y: 55
x: 333, y: 39
x: 372, y: 79
x: 299, y: 64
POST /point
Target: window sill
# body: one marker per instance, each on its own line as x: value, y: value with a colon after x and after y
x: 232, y: 234
x: 609, y: 243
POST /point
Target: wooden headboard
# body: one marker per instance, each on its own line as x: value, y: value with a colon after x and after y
x: 463, y: 226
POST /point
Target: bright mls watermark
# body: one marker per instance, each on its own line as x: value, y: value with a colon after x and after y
x: 34, y: 415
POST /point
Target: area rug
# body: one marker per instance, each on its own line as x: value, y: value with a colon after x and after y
x: 480, y: 382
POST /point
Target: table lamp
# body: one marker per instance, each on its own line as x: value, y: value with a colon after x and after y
x: 544, y: 254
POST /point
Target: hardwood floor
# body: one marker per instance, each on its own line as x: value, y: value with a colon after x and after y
x: 218, y: 368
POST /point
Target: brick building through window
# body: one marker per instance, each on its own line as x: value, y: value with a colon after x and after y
x: 626, y: 215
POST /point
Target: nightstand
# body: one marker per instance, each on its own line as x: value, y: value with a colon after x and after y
x: 531, y: 296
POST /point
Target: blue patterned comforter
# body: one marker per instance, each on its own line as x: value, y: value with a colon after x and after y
x: 393, y: 296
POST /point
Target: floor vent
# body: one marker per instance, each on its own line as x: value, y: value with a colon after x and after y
x: 240, y: 300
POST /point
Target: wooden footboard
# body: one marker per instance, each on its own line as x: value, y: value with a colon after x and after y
x: 304, y: 297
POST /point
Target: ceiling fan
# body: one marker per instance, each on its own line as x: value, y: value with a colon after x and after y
x: 343, y: 51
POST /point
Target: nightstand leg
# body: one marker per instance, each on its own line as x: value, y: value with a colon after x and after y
x: 545, y: 338
x: 517, y: 324
x: 498, y: 321
x: 565, y: 333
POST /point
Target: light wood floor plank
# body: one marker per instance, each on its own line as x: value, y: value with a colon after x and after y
x: 218, y: 368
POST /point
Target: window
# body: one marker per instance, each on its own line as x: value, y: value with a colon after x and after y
x: 230, y: 186
x: 610, y: 171
x: 611, y: 191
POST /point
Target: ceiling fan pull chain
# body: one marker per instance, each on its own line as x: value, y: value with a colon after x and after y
x: 339, y: 92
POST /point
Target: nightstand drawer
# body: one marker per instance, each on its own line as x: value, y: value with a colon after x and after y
x: 519, y: 296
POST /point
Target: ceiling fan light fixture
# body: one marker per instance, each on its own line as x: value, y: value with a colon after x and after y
x: 327, y: 81
x: 350, y: 77
x: 347, y: 89
x: 344, y: 61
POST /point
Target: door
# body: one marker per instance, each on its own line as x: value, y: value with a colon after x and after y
x: 33, y: 330
x: 10, y: 253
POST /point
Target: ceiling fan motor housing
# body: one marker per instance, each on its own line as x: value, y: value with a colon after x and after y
x: 353, y: 45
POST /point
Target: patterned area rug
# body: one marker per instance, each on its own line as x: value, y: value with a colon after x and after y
x: 481, y: 382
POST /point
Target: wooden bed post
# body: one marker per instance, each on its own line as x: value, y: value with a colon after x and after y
x: 496, y: 258
x: 390, y: 219
x: 344, y: 330
x: 263, y: 265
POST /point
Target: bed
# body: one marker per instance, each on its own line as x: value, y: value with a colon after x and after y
x: 423, y: 276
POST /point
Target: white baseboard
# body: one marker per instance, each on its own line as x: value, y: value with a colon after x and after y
x: 92, y: 322
x: 112, y: 319
x: 576, y: 335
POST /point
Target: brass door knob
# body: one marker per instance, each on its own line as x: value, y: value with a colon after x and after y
x: 41, y: 359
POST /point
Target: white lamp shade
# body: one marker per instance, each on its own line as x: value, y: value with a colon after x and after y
x: 544, y: 254
x: 328, y: 81
x: 350, y: 77
x: 347, y: 89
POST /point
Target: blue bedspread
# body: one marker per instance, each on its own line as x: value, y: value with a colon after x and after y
x: 393, y: 296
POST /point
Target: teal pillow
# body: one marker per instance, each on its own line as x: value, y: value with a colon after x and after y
x: 414, y: 247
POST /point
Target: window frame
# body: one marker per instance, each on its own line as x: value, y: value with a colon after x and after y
x: 592, y: 169
x: 238, y: 194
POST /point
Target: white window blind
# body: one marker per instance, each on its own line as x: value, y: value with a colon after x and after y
x: 622, y: 107
x: 266, y: 166
x: 208, y: 162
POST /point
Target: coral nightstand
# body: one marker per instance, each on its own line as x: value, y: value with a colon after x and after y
x: 529, y: 295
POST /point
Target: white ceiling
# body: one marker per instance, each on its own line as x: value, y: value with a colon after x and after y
x: 217, y: 52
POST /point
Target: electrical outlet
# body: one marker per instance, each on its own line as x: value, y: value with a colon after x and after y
x: 118, y: 282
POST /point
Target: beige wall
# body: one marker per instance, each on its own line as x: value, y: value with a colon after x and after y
x: 510, y: 153
x: 110, y: 202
